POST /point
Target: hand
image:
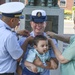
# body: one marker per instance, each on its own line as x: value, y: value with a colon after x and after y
x: 23, y: 33
x: 52, y: 64
x: 33, y: 68
x: 48, y: 65
x: 19, y: 70
x: 26, y: 2
x: 38, y: 62
x: 30, y: 40
x: 30, y: 66
x: 51, y: 34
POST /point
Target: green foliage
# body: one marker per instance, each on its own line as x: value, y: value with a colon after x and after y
x: 67, y: 12
x: 73, y: 8
x: 68, y: 16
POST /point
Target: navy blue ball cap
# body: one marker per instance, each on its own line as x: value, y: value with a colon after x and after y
x: 38, y: 16
x: 12, y: 9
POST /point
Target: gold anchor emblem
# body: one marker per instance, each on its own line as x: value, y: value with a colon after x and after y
x: 39, y: 14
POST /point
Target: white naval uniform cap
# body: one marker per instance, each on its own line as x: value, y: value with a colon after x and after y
x: 12, y: 9
x: 38, y: 16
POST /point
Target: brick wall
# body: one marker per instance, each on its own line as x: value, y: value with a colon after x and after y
x: 15, y: 0
x: 2, y: 1
x: 69, y: 4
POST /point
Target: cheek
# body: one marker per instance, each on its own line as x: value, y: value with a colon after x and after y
x: 44, y: 25
x: 33, y: 26
x: 41, y: 49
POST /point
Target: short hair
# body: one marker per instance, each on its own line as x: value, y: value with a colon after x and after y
x: 38, y: 38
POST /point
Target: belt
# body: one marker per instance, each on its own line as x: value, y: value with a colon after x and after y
x: 7, y: 74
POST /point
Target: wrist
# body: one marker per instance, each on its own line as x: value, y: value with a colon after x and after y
x: 54, y: 36
x: 50, y: 40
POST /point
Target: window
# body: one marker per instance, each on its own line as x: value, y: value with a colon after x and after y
x: 2, y: 1
x: 14, y: 0
x: 74, y: 3
x: 63, y: 3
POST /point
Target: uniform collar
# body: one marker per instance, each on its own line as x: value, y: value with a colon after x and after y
x: 39, y: 53
x: 32, y: 34
x: 3, y: 24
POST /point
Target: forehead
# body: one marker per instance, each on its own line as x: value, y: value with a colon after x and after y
x: 38, y: 22
x: 42, y: 42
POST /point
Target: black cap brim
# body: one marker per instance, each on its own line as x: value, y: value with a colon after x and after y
x: 38, y: 19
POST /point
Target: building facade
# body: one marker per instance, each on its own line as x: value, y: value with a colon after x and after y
x: 3, y: 1
x: 66, y: 4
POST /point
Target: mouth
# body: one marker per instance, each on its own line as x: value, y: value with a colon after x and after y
x: 44, y: 51
x: 38, y: 28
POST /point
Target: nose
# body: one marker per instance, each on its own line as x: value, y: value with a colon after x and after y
x: 45, y: 48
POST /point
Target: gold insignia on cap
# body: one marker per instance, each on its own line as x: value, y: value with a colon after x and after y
x: 18, y: 15
x: 39, y: 14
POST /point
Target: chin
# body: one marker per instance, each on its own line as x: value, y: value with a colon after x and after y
x: 39, y: 33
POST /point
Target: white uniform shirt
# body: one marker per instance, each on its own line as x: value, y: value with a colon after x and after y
x: 10, y: 49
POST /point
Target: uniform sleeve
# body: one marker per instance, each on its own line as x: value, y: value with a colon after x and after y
x: 31, y: 56
x: 13, y: 47
x: 21, y: 40
x: 69, y: 52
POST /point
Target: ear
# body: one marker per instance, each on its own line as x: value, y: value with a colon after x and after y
x: 35, y: 46
x: 11, y: 19
x: 45, y: 23
x: 31, y: 23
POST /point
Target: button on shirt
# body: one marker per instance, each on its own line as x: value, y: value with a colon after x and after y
x: 21, y: 41
x: 10, y: 49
